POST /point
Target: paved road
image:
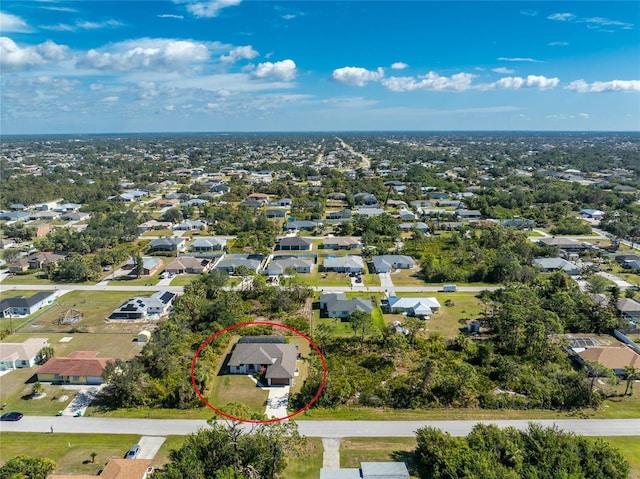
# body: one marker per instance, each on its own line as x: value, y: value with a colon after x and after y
x: 165, y: 427
x: 180, y: 289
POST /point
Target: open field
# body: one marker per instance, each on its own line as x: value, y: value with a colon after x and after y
x: 354, y: 450
x: 630, y: 447
x: 71, y: 452
x: 34, y: 278
x: 328, y: 279
x: 108, y: 345
x: 96, y: 306
x: 183, y: 279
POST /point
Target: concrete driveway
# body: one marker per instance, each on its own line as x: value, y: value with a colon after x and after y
x: 149, y: 446
x: 277, y: 402
x: 82, y: 400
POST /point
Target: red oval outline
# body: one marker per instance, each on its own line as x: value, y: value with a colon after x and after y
x: 258, y: 421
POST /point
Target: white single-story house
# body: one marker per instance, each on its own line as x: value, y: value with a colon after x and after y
x: 20, y: 306
x: 414, y: 306
x: 344, y: 264
x: 388, y: 262
x: 276, y: 361
x: 21, y: 355
x: 158, y: 304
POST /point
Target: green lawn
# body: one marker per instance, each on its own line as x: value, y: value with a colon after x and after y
x: 96, y: 306
x: 32, y: 278
x: 407, y: 277
x: 354, y: 450
x: 183, y: 279
x: 328, y: 279
x: 237, y: 388
x: 158, y: 233
x: 308, y: 463
x: 71, y: 452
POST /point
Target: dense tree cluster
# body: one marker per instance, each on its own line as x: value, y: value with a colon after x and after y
x: 494, y: 255
x: 23, y: 466
x: 536, y: 453
x: 227, y: 451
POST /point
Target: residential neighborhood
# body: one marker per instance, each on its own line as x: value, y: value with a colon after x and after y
x: 304, y: 281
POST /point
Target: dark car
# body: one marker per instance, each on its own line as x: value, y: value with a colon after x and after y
x: 11, y: 416
x: 133, y: 452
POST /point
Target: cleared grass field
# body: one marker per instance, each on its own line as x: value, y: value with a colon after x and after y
x: 96, y: 306
x: 354, y: 450
x: 308, y: 463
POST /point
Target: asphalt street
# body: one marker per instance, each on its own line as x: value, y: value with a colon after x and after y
x: 166, y: 427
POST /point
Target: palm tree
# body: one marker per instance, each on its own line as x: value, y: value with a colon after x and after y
x: 632, y: 373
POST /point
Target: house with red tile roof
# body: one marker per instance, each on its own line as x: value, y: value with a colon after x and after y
x: 80, y: 367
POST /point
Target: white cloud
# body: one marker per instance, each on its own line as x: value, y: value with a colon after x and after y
x: 399, y: 66
x: 96, y: 25
x: 562, y: 17
x: 558, y: 44
x: 111, y: 99
x: 503, y: 70
x: 288, y: 16
x: 606, y: 22
x: 82, y: 25
x: 284, y: 70
x: 582, y: 86
x: 60, y: 9
x: 356, y: 76
x: 15, y: 57
x: 170, y: 15
x: 565, y: 116
x: 531, y: 81
x: 12, y: 23
x: 211, y: 8
x: 146, y: 54
x: 430, y: 81
x: 96, y: 86
x: 519, y: 59
x: 529, y: 13
x: 240, y: 53
x: 53, y: 51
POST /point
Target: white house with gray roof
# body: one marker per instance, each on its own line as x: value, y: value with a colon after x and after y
x: 388, y: 262
x: 231, y: 263
x: 556, y: 264
x: 276, y: 361
x: 209, y: 243
x: 344, y: 264
x: 419, y: 307
x: 279, y: 265
x: 336, y: 305
x: 158, y: 304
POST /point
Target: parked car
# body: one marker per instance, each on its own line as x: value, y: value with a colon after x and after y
x: 11, y: 416
x: 133, y: 452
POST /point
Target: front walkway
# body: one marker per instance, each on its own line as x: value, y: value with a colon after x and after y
x: 331, y: 454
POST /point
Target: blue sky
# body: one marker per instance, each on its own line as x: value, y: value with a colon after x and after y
x: 238, y: 65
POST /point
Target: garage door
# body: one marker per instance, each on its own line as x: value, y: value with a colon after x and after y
x: 279, y: 381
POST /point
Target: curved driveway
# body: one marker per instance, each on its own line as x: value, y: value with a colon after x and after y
x: 165, y: 427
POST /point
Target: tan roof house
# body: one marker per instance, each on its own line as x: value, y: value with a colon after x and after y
x: 115, y: 469
x: 613, y: 357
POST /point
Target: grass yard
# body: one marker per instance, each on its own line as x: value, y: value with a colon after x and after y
x: 33, y: 278
x: 354, y: 450
x: 11, y: 292
x: 71, y: 452
x: 328, y: 279
x: 96, y: 306
x: 108, y: 345
x: 237, y: 388
x: 308, y: 463
x: 157, y: 233
x: 183, y: 279
x: 15, y: 391
x: 13, y: 324
x: 407, y: 277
